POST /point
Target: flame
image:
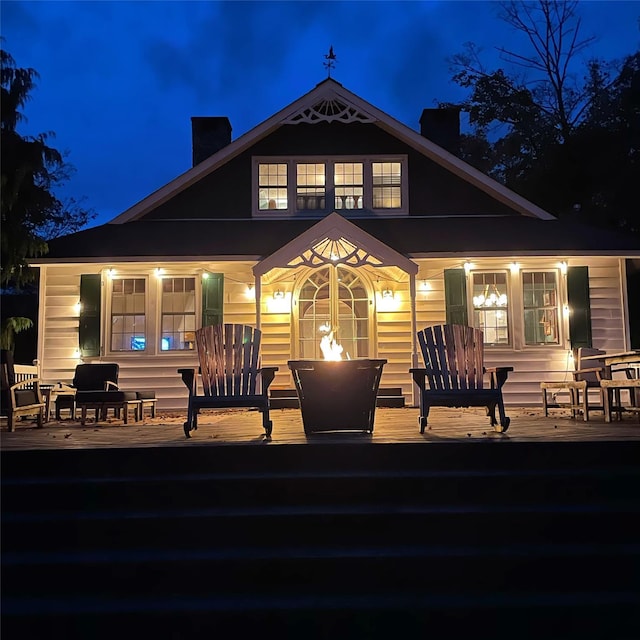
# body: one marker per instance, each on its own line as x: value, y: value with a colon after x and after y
x: 331, y: 350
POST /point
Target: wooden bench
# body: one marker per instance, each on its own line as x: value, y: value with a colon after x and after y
x: 230, y: 373
x: 454, y: 371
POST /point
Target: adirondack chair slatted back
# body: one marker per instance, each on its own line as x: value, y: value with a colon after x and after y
x: 453, y: 356
x: 229, y: 359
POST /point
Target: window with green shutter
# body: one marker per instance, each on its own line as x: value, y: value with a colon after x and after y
x: 455, y: 295
x: 579, y: 307
x: 212, y: 298
x: 89, y: 324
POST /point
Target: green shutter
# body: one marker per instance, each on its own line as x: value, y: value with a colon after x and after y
x: 212, y: 299
x: 455, y: 295
x: 89, y: 327
x: 579, y: 306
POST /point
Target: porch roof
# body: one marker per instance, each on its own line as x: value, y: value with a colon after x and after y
x: 413, y: 237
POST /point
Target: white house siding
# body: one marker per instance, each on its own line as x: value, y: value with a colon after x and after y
x: 58, y: 335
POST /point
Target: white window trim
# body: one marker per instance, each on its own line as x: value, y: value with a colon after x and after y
x: 510, y: 298
x: 150, y: 348
x: 328, y: 161
x: 563, y: 320
x: 158, y: 315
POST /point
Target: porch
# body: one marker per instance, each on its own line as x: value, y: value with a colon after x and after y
x: 392, y: 425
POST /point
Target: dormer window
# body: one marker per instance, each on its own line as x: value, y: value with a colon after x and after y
x: 272, y: 187
x: 315, y: 186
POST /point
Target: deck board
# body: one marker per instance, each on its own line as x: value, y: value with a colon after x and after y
x: 243, y: 426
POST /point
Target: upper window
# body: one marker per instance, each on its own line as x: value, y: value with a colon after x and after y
x: 128, y: 314
x: 320, y: 185
x: 272, y: 186
x: 540, y: 297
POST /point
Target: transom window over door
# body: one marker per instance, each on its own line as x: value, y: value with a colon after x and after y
x: 128, y: 314
x: 334, y: 299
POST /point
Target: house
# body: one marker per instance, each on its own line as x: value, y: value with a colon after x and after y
x: 331, y: 215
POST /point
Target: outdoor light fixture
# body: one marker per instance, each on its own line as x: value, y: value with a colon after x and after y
x: 387, y: 293
x: 467, y: 266
x: 278, y: 294
x: 111, y: 273
x: 515, y: 267
x: 77, y: 307
x: 159, y: 271
x: 563, y: 268
x: 205, y: 275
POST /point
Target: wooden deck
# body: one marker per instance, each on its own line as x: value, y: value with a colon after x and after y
x: 240, y: 426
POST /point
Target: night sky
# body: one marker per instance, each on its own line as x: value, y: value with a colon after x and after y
x: 119, y: 81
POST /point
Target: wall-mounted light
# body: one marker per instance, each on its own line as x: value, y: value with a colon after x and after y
x: 205, y: 275
x: 77, y: 307
x: 111, y: 273
x: 563, y: 268
x: 279, y: 302
x: 566, y: 310
x: 425, y: 285
x: 159, y: 271
x: 515, y: 267
x: 76, y: 353
x: 250, y: 291
x: 387, y: 294
x: 467, y: 267
x: 278, y: 294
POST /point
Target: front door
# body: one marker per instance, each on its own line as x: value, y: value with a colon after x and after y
x: 334, y: 298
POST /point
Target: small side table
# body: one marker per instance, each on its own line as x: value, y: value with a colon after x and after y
x: 50, y: 392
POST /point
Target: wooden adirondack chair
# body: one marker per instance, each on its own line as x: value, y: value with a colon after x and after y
x: 230, y: 373
x: 454, y: 373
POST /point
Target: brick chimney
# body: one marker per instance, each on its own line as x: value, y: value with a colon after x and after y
x: 442, y: 126
x: 208, y: 135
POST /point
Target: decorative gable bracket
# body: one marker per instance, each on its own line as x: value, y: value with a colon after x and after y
x: 328, y: 110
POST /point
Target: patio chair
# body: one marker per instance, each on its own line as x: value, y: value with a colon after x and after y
x: 230, y: 373
x: 454, y: 373
x: 96, y: 388
x: 20, y: 393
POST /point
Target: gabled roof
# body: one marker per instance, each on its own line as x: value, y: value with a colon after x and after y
x: 329, y: 100
x: 335, y: 238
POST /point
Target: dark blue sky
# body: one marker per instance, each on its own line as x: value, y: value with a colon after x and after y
x: 119, y: 81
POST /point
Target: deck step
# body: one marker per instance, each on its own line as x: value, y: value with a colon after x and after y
x: 488, y: 540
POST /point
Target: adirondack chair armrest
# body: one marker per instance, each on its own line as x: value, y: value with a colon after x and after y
x: 31, y: 382
x: 498, y: 375
x: 267, y: 374
x: 110, y: 386
x: 189, y: 379
x: 601, y: 372
x: 420, y: 376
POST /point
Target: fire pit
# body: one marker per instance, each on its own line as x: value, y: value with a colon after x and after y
x: 338, y: 395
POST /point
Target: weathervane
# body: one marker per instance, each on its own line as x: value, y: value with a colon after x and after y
x: 330, y: 61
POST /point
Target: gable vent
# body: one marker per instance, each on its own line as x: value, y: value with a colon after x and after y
x: 328, y: 110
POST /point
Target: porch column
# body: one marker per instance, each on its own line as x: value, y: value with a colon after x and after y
x: 257, y: 289
x: 414, y: 330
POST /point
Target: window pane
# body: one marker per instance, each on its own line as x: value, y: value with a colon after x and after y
x: 272, y: 186
x: 490, y: 306
x: 541, y: 313
x: 128, y: 319
x: 178, y: 314
x: 387, y: 180
x: 348, y: 178
x: 310, y: 187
